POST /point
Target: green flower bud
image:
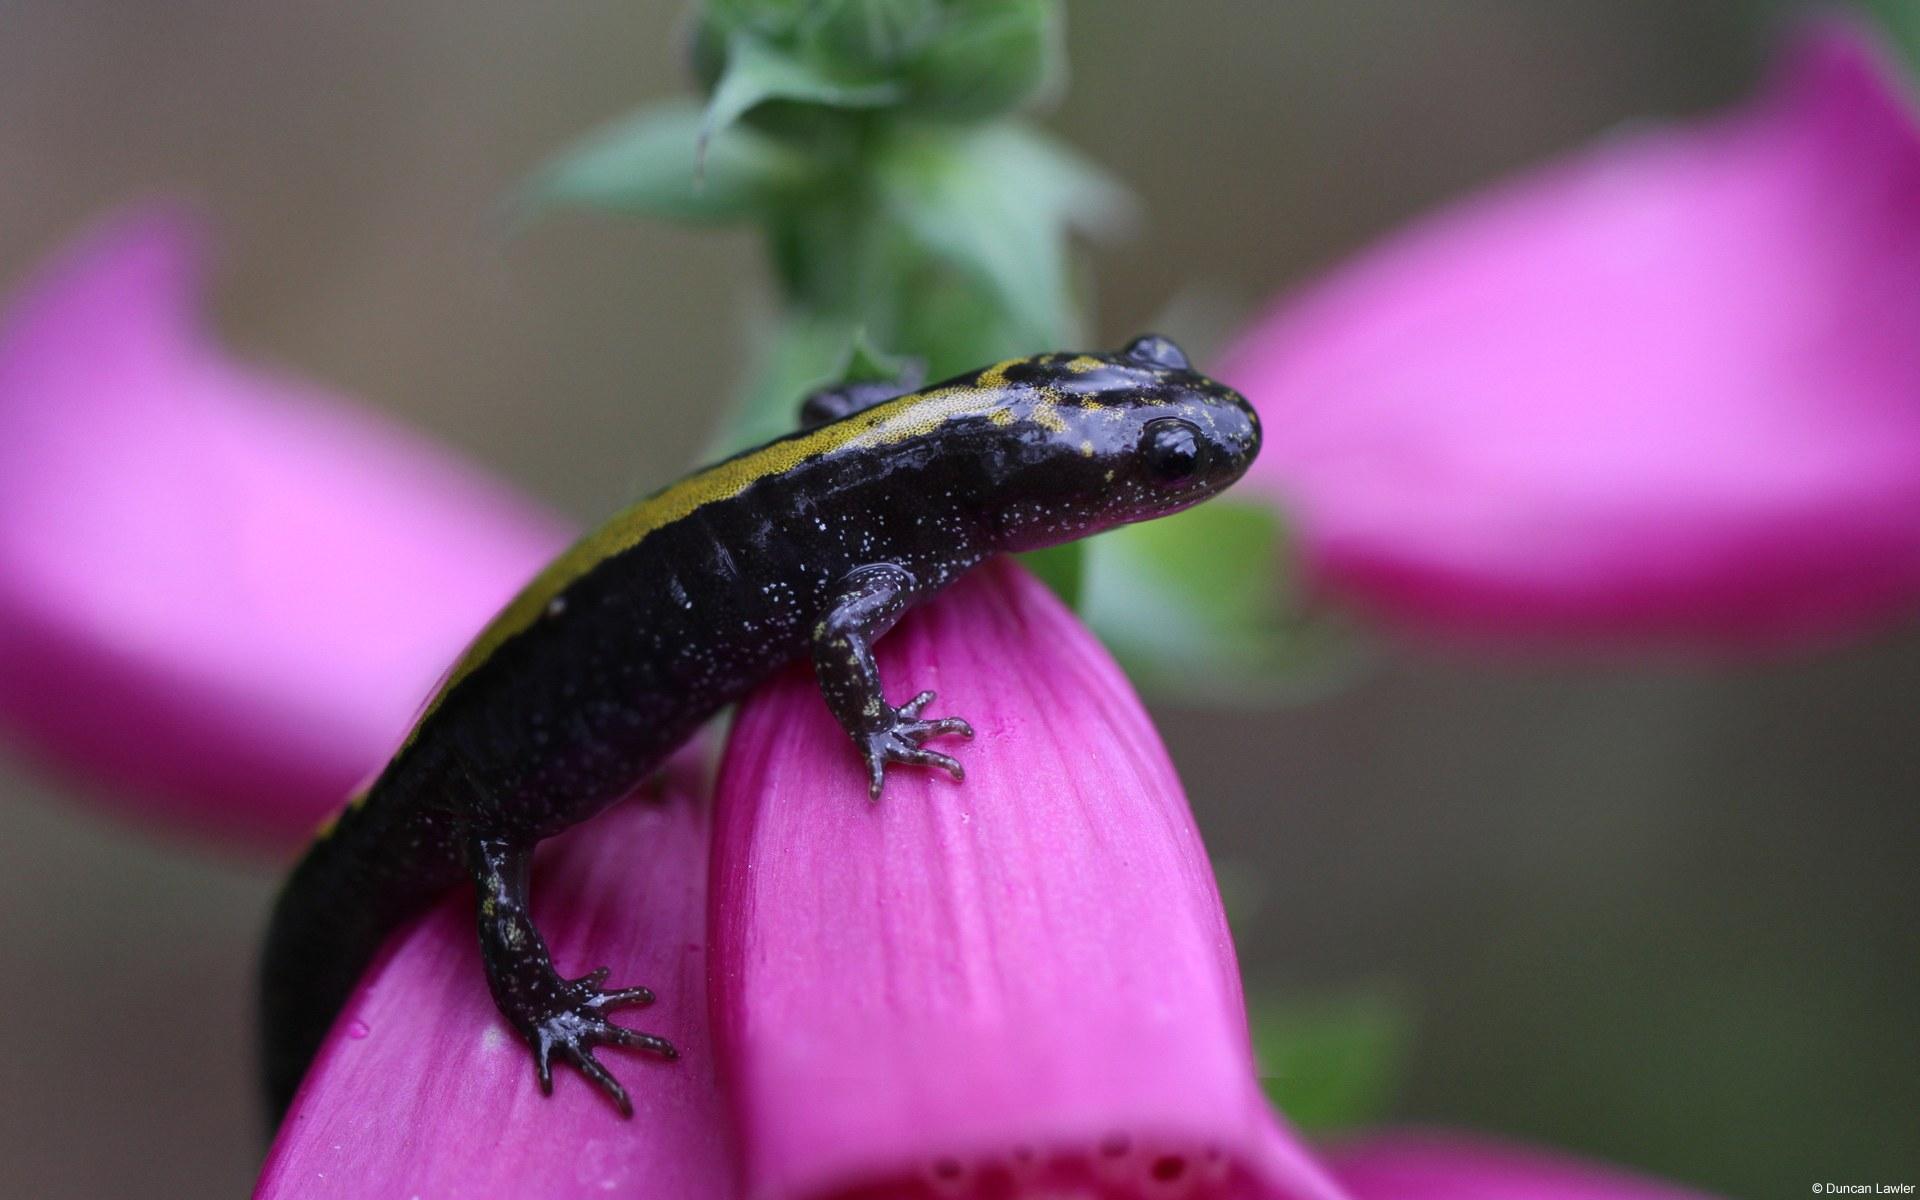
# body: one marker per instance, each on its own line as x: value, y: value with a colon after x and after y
x: 993, y: 56
x: 875, y: 38
x: 952, y: 59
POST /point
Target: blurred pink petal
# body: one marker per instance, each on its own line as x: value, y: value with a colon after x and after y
x: 422, y: 1089
x: 223, y: 591
x: 1019, y: 983
x: 1668, y: 389
x: 1420, y: 1165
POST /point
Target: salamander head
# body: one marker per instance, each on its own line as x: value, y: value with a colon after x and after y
x: 1085, y: 442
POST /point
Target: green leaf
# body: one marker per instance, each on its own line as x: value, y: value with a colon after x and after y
x: 1332, y: 1064
x: 774, y: 18
x: 805, y: 351
x: 1062, y: 568
x: 757, y: 72
x: 1902, y: 20
x: 646, y: 163
x: 998, y: 204
x: 951, y: 59
x: 1201, y: 605
x: 990, y: 61
x: 871, y: 35
x: 867, y: 363
x: 1075, y: 193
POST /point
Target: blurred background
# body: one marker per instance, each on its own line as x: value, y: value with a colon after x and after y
x: 1663, y: 914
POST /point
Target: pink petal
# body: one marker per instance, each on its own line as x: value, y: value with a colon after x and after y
x: 223, y: 591
x: 1419, y: 1165
x: 1667, y: 389
x: 422, y: 1089
x: 994, y: 988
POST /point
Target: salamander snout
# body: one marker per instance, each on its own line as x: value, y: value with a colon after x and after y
x: 1209, y: 438
x: 1120, y: 437
x: 1196, y: 435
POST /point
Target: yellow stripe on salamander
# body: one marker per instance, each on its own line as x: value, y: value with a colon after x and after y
x: 913, y: 415
x: 995, y: 376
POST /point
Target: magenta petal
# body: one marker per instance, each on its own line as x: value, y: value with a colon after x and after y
x: 1419, y: 1165
x: 422, y: 1089
x: 1668, y: 389
x: 222, y: 591
x: 994, y: 988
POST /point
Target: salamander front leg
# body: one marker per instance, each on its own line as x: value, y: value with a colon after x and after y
x: 859, y: 612
x: 558, y: 1017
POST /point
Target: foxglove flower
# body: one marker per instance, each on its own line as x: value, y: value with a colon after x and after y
x: 222, y: 590
x: 1010, y: 988
x: 421, y: 1088
x: 1019, y: 985
x: 419, y: 1084
x: 1667, y: 390
x: 1435, y: 1165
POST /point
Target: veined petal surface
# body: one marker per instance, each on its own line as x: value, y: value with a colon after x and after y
x: 1666, y: 390
x: 422, y: 1088
x: 1018, y: 985
x: 223, y: 591
x: 1441, y: 1165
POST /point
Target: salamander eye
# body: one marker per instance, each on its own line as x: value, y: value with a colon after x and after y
x: 1154, y: 350
x: 1172, y: 451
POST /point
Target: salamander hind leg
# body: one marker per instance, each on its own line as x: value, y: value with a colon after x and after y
x: 557, y: 1017
x: 862, y: 608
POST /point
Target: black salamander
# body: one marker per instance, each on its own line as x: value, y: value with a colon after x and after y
x: 629, y: 641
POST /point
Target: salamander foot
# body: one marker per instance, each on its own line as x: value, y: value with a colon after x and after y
x: 900, y: 743
x: 574, y: 1023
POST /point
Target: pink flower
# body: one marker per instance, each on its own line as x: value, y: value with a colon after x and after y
x: 204, y: 548
x: 222, y: 591
x: 1005, y: 988
x: 1026, y: 977
x: 423, y: 1090
x: 1436, y: 1165
x: 1666, y: 390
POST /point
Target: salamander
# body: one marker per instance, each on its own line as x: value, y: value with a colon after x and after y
x: 629, y: 641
